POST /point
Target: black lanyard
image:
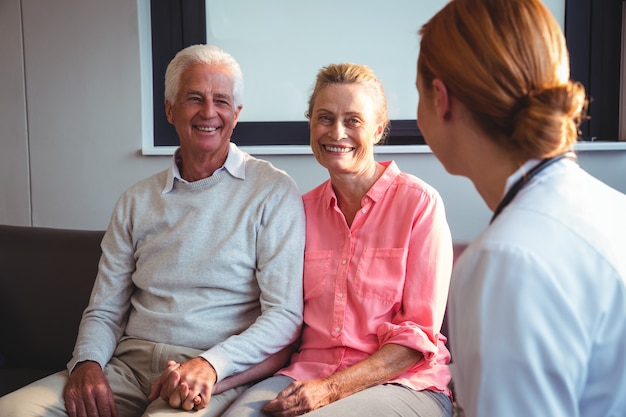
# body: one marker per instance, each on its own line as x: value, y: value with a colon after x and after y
x: 519, y: 184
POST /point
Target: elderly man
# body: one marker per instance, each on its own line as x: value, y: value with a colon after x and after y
x: 201, y: 271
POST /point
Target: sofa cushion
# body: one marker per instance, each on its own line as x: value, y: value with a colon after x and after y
x: 14, y: 378
x: 46, y: 276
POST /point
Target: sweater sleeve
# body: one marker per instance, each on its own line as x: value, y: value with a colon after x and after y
x: 104, y: 319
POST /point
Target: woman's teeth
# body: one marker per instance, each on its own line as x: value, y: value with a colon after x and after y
x: 338, y: 149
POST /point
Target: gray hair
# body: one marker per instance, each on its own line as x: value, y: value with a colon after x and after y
x: 202, y: 54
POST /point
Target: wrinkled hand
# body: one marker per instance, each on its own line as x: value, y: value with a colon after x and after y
x: 187, y: 385
x: 88, y: 393
x: 300, y: 397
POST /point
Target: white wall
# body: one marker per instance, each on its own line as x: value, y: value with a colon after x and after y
x: 14, y: 168
x: 71, y: 112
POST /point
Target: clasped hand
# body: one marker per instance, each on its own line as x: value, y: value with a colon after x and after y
x: 187, y: 386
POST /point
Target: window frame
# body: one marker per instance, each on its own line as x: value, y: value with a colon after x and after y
x: 595, y: 61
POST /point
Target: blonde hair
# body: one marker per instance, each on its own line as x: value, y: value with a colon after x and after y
x: 348, y: 73
x: 507, y: 62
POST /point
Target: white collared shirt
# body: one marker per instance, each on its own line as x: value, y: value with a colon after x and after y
x: 234, y: 164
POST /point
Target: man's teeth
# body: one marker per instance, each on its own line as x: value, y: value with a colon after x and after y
x: 207, y: 129
x: 338, y: 149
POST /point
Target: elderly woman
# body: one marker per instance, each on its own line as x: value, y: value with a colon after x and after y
x: 538, y: 301
x: 377, y: 269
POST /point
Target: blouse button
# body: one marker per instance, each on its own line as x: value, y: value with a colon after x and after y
x: 343, y: 262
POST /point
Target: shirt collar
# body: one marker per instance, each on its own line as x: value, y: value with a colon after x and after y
x: 235, y: 165
x: 377, y: 190
x: 521, y: 171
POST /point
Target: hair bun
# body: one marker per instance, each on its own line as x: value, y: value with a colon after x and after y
x: 550, y: 118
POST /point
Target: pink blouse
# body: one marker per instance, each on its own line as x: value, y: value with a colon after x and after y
x: 383, y: 280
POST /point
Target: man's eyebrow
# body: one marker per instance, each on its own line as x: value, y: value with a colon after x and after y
x: 223, y: 96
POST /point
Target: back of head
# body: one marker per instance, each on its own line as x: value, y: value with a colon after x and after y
x: 507, y: 62
x: 348, y: 73
x: 202, y: 54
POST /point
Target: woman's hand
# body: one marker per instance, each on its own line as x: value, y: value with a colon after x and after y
x: 301, y: 397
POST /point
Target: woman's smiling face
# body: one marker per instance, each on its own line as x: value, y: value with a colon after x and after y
x: 344, y: 128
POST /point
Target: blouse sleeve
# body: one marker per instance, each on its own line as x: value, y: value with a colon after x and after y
x: 418, y: 319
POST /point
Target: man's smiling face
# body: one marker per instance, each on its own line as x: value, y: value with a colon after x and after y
x: 204, y: 112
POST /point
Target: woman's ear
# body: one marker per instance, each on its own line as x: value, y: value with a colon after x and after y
x: 442, y: 99
x: 378, y: 136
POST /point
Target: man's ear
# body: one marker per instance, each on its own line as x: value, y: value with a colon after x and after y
x: 168, y: 112
x: 442, y: 99
x: 237, y: 112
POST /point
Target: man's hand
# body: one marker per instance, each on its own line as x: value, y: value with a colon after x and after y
x: 88, y: 393
x: 301, y: 397
x: 166, y: 383
x: 187, y: 385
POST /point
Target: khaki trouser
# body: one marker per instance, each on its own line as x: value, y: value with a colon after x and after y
x: 131, y: 371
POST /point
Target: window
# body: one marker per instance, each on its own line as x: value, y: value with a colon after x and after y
x: 593, y: 29
x: 622, y: 118
x: 590, y: 28
x: 177, y: 23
